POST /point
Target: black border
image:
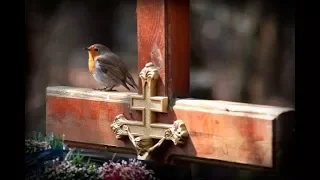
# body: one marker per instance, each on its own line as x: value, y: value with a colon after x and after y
x: 14, y: 38
x: 14, y: 75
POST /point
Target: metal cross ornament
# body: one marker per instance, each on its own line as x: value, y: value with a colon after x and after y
x: 142, y: 132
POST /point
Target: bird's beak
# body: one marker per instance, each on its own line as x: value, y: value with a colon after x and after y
x: 87, y: 49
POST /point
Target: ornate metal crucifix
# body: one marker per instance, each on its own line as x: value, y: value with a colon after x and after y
x: 148, y: 129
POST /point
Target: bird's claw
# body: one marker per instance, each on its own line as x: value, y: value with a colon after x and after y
x: 99, y: 89
x: 105, y: 89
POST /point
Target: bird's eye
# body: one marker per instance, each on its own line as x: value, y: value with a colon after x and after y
x: 96, y: 49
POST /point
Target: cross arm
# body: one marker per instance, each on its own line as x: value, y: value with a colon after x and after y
x: 235, y: 132
x: 158, y: 103
x: 155, y: 131
x: 84, y: 115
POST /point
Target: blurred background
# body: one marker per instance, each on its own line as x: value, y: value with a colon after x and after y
x: 241, y: 51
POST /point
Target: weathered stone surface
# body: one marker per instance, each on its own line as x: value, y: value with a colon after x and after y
x: 234, y: 132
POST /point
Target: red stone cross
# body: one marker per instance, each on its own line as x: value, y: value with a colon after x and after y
x: 218, y: 130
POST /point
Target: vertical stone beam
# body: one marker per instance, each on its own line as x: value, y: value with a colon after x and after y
x: 163, y: 38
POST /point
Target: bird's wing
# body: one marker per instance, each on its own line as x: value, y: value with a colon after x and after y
x: 131, y: 81
x: 108, y: 66
x: 117, y: 66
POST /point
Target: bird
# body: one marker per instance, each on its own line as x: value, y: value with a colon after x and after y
x: 108, y: 69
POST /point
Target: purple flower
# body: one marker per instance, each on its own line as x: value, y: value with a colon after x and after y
x: 133, y: 169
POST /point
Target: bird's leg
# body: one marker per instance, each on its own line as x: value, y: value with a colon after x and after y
x: 100, y: 89
x: 105, y: 89
x: 110, y: 89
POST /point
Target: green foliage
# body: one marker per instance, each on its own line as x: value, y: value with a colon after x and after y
x: 67, y: 170
x: 74, y: 166
x: 56, y: 142
x: 77, y: 160
x: 39, y: 143
x: 38, y: 136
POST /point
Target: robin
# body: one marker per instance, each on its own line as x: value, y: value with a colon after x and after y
x: 108, y: 69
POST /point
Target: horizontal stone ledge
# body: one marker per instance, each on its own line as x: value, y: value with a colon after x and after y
x: 211, y: 106
x: 234, y: 132
x: 88, y: 94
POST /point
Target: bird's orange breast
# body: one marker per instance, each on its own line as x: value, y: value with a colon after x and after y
x: 91, y: 64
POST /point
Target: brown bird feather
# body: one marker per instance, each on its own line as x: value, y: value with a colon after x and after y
x: 109, y: 69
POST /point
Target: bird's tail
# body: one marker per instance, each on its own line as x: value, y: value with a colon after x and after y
x: 131, y: 82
